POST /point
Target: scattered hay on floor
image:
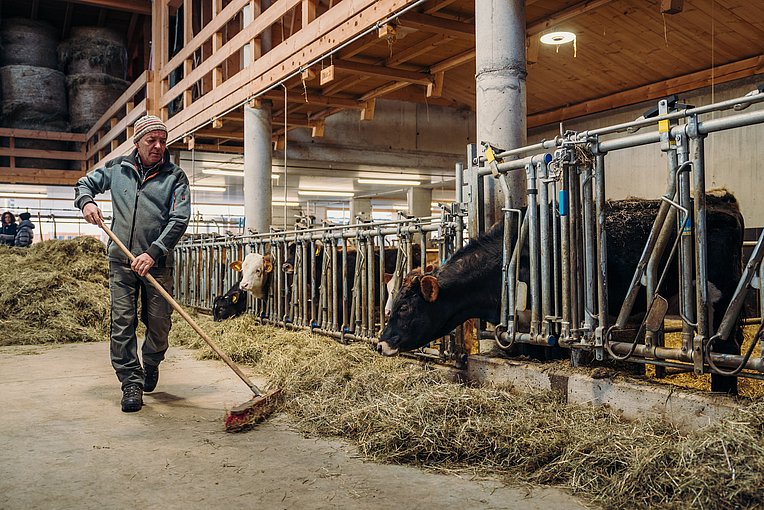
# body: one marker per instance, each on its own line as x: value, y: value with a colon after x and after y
x: 54, y: 291
x: 400, y: 411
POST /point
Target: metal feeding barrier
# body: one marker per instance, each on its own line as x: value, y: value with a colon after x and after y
x: 567, y: 286
x: 554, y: 271
x: 330, y: 280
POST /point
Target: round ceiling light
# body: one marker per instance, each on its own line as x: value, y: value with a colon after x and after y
x: 557, y: 38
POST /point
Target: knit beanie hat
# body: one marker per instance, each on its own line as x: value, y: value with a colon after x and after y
x: 25, y: 216
x: 147, y: 124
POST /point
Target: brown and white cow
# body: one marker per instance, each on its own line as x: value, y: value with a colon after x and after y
x: 256, y: 270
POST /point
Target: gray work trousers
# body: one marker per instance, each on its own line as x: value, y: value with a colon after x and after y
x: 125, y: 287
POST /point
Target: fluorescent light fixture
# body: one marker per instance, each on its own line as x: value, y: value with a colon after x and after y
x: 392, y: 182
x: 217, y: 171
x: 288, y: 204
x: 320, y: 193
x: 202, y: 187
x: 558, y: 38
x: 21, y: 194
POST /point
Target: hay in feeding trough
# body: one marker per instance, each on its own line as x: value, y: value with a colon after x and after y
x: 399, y: 411
x: 747, y: 387
x: 54, y: 291
x: 93, y: 50
x: 28, y: 42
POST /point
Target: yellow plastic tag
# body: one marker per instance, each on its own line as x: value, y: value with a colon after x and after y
x: 663, y: 126
x: 489, y: 155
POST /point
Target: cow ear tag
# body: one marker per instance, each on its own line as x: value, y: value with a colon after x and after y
x: 656, y: 314
x: 429, y: 288
x: 234, y: 298
x: 235, y: 265
x: 267, y: 265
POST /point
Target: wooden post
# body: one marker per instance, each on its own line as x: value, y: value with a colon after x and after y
x: 308, y: 12
x: 435, y: 89
x: 671, y: 6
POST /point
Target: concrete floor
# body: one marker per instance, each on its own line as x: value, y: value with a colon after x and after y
x: 66, y: 444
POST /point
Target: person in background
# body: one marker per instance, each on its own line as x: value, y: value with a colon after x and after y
x: 8, y: 229
x: 25, y: 233
x: 152, y: 206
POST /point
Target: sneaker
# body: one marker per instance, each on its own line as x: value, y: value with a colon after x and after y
x: 132, y: 398
x: 150, y: 377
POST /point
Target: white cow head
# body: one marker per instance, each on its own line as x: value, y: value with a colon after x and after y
x: 255, y: 273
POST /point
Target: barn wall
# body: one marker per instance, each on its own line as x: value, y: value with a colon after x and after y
x: 731, y: 156
x: 402, y: 134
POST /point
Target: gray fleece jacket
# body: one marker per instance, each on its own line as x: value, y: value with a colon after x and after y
x: 150, y: 214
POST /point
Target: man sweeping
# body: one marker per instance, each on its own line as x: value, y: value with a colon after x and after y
x: 151, y: 207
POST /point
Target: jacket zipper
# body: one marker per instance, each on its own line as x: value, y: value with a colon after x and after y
x: 135, y: 211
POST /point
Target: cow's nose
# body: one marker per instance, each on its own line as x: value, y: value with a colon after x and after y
x: 379, y: 347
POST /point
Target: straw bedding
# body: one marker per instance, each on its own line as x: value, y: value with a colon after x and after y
x: 400, y: 411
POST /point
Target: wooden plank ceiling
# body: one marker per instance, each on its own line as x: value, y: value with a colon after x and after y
x: 626, y: 51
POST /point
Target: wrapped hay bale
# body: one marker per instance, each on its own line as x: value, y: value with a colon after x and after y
x: 90, y: 95
x: 59, y: 292
x: 35, y: 98
x: 93, y: 50
x: 28, y: 42
x: 32, y: 96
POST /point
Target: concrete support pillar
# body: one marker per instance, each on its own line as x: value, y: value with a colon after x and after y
x: 500, y: 89
x: 258, y: 190
x: 419, y: 202
x: 360, y: 206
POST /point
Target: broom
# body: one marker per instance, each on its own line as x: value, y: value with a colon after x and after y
x: 244, y: 415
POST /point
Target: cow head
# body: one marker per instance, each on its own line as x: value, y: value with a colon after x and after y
x: 232, y: 304
x: 255, y: 274
x: 415, y: 319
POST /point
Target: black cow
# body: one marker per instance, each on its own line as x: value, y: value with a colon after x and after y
x: 232, y: 304
x: 468, y: 285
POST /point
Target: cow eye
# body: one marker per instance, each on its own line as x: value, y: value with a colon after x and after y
x: 404, y: 308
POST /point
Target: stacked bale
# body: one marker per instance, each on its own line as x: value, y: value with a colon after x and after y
x: 95, y: 61
x: 33, y: 90
x: 27, y: 42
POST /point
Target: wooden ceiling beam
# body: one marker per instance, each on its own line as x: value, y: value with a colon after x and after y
x: 452, y: 62
x: 693, y: 81
x: 383, y: 72
x: 434, y: 6
x: 321, y: 99
x: 438, y: 25
x: 136, y: 6
x: 414, y: 51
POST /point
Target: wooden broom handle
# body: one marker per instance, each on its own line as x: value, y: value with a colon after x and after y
x: 185, y: 315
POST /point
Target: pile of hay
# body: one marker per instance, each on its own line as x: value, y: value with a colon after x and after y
x: 399, y: 411
x: 54, y: 291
